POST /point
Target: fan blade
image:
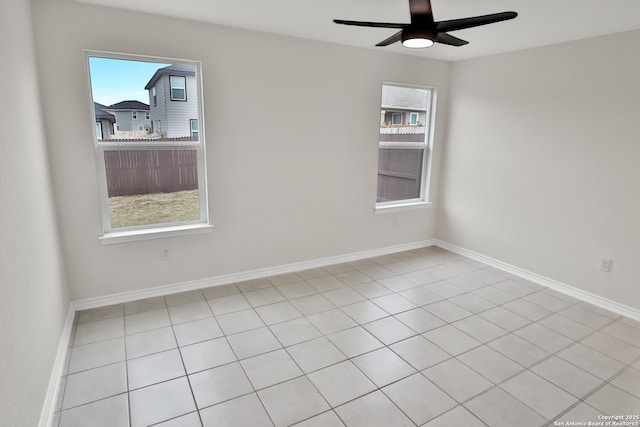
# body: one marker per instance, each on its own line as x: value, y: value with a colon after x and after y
x: 421, y: 14
x: 445, y: 38
x: 460, y: 24
x: 420, y: 8
x: 394, y: 38
x: 370, y: 24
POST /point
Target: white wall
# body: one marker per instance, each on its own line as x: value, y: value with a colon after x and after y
x: 291, y: 147
x: 33, y: 292
x: 541, y: 162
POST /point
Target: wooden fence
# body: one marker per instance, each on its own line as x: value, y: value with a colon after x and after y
x: 402, y: 134
x: 399, y: 174
x: 400, y: 169
x: 150, y: 171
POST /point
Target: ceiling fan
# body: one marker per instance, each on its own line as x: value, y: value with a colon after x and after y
x: 423, y: 31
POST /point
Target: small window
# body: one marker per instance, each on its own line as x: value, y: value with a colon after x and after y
x: 403, y: 151
x: 194, y: 127
x: 134, y: 115
x: 148, y: 182
x: 178, y: 88
x: 147, y: 115
x: 154, y: 97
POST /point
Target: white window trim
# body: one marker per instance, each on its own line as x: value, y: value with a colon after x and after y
x: 393, y: 115
x: 134, y: 115
x: 411, y: 116
x: 388, y: 207
x: 425, y: 186
x: 152, y: 231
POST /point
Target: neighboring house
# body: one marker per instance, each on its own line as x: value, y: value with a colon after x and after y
x: 132, y: 119
x: 173, y: 101
x: 104, y: 121
x: 403, y: 106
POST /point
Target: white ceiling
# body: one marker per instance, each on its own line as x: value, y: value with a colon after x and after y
x: 540, y: 22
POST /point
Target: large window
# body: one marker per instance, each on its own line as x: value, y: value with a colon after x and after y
x: 149, y: 183
x: 404, y: 145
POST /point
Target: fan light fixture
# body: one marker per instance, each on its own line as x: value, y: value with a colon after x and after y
x: 417, y: 38
x: 423, y: 31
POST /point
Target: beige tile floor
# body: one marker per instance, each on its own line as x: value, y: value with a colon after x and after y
x: 419, y: 338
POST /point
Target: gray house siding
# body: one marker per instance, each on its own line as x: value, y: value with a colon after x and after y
x: 104, y: 121
x: 106, y: 129
x: 404, y: 101
x: 179, y: 113
x: 156, y: 107
x: 125, y: 121
x: 172, y: 118
x: 125, y: 124
x: 387, y: 118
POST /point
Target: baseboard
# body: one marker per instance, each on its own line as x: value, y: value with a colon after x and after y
x: 49, y: 406
x: 244, y: 275
x: 564, y: 288
x: 48, y: 409
x: 51, y: 397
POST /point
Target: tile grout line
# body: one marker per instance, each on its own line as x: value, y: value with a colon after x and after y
x: 387, y: 346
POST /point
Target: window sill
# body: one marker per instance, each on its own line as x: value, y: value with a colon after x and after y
x: 396, y: 207
x: 154, y: 233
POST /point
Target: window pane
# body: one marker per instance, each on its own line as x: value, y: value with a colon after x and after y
x: 177, y: 82
x: 152, y: 186
x: 151, y: 167
x: 399, y: 174
x: 177, y: 94
x: 403, y: 147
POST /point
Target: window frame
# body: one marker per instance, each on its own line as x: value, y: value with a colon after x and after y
x: 149, y: 231
x: 427, y: 145
x: 171, y: 87
x: 134, y: 115
x: 154, y: 96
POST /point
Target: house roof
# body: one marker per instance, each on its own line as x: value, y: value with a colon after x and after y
x: 100, y: 112
x: 404, y: 98
x: 171, y: 69
x: 128, y: 105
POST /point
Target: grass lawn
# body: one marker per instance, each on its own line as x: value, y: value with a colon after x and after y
x: 155, y: 208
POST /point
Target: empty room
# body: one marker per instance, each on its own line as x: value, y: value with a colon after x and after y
x: 345, y: 213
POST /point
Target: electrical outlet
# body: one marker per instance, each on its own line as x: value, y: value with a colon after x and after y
x: 605, y: 264
x: 165, y: 254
